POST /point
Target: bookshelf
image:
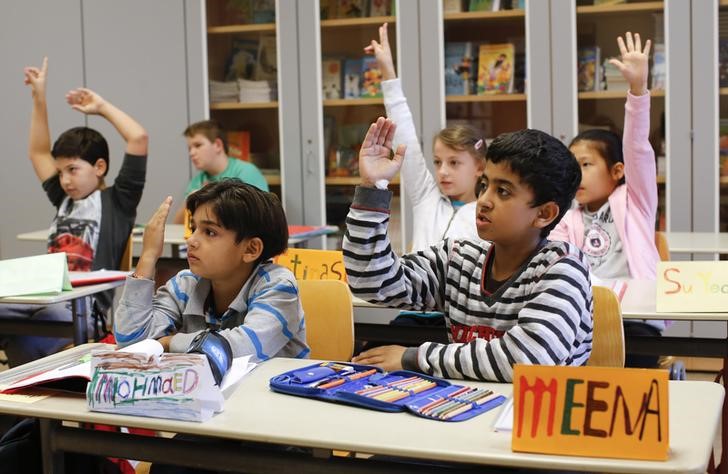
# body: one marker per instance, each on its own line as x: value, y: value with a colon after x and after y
x: 241, y: 44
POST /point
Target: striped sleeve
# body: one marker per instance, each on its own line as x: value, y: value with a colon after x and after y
x: 554, y: 327
x: 374, y: 272
x: 273, y: 318
x: 141, y: 314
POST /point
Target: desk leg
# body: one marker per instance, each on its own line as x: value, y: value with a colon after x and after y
x: 80, y: 328
x: 52, y: 459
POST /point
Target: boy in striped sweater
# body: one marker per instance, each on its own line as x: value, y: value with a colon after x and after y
x: 232, y: 286
x: 517, y: 298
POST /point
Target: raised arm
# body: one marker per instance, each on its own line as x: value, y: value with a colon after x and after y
x: 417, y: 179
x: 39, y: 149
x: 639, y: 157
x: 90, y: 103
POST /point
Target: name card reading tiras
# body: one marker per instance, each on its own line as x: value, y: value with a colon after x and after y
x: 311, y: 264
x: 591, y: 411
x: 692, y: 287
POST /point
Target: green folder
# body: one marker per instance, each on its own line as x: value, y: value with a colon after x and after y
x: 40, y: 274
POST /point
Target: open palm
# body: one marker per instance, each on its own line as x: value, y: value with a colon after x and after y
x: 634, y: 61
x: 374, y: 156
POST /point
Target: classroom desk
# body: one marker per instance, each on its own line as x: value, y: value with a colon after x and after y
x: 254, y: 413
x: 174, y: 237
x: 697, y: 242
x: 371, y: 324
x: 77, y: 328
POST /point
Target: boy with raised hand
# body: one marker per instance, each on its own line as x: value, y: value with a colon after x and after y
x: 93, y: 221
x: 208, y: 152
x: 232, y: 287
x: 515, y: 298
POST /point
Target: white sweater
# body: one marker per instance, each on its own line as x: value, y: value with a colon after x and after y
x: 434, y: 217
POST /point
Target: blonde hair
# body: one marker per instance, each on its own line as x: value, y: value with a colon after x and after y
x: 463, y: 138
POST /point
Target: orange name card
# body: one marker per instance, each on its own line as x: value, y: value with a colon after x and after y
x: 591, y: 411
x: 311, y: 264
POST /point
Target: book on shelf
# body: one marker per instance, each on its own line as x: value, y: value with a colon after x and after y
x: 483, y: 5
x: 351, y: 8
x: 380, y: 7
x: 495, y: 68
x: 659, y: 68
x: 224, y: 91
x: 331, y: 78
x: 266, y: 65
x: 371, y: 78
x: 242, y: 60
x: 352, y: 78
x: 452, y: 6
x: 459, y: 68
x: 589, y: 68
x: 238, y: 142
x: 723, y: 62
x: 264, y: 11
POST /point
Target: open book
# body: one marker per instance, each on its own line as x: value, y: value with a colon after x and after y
x: 74, y: 375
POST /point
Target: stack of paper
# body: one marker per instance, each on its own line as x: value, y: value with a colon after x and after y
x: 256, y: 91
x: 224, y: 91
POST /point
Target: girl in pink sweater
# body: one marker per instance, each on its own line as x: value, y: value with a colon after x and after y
x: 614, y: 224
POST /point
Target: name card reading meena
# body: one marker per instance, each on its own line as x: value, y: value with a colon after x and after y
x: 692, y: 287
x: 591, y: 411
x: 175, y: 386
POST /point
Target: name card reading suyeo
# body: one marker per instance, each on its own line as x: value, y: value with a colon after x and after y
x: 591, y: 411
x: 692, y: 287
x: 312, y: 264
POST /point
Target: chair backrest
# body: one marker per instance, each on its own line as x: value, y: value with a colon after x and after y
x: 329, y: 318
x: 125, y: 264
x: 608, y: 335
x: 663, y: 249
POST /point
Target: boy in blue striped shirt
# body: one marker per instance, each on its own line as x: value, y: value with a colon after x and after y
x: 231, y: 287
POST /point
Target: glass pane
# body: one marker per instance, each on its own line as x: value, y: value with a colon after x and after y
x: 485, y: 65
x: 242, y: 70
x: 723, y: 141
x: 602, y: 90
x: 352, y: 99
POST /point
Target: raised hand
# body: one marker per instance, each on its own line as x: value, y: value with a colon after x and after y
x: 374, y: 156
x: 85, y: 101
x: 153, y: 241
x: 383, y: 53
x: 36, y: 78
x: 634, y: 63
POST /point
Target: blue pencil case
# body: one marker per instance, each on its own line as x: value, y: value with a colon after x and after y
x: 370, y: 387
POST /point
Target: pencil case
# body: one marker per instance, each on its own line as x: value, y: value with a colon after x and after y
x: 402, y: 390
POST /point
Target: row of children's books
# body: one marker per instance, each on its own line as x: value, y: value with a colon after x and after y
x: 596, y: 74
x: 351, y: 78
x: 495, y: 70
x: 331, y: 9
x: 455, y: 6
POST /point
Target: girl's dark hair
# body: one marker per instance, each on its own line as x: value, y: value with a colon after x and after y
x: 82, y: 142
x: 607, y: 143
x: 543, y: 163
x: 247, y: 211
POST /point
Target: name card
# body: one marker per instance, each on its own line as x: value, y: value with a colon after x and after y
x: 175, y: 386
x: 312, y: 264
x: 591, y: 411
x: 692, y: 287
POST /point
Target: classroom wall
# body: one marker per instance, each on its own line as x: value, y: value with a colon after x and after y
x: 142, y: 56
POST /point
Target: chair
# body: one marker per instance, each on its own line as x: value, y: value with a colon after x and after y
x: 608, y: 335
x: 329, y: 318
x: 663, y: 249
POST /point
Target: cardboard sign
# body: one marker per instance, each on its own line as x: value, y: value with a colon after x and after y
x: 311, y: 264
x: 692, y: 287
x: 591, y: 411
